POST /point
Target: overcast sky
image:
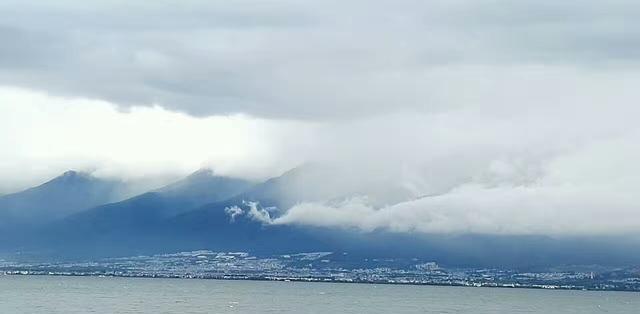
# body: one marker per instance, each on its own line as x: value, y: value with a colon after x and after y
x: 520, y: 116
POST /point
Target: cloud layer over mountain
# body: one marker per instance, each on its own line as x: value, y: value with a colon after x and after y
x: 497, y: 117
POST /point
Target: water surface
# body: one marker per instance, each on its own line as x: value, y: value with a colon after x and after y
x: 43, y: 294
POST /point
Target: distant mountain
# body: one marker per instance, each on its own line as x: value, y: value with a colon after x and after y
x: 192, y: 212
x: 205, y: 211
x: 308, y: 183
x: 142, y: 214
x: 203, y: 186
x: 199, y: 201
x: 322, y: 183
x: 64, y: 195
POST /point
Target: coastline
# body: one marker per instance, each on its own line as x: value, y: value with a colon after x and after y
x: 309, y: 280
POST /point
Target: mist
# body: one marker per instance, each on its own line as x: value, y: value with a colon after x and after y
x: 431, y: 117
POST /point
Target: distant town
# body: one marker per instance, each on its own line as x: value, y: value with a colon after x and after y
x: 331, y: 267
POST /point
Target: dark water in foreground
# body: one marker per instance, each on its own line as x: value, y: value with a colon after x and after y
x: 40, y: 294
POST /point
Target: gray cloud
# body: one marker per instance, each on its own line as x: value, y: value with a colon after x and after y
x: 570, y: 197
x: 292, y: 59
x: 511, y: 117
x: 541, y: 173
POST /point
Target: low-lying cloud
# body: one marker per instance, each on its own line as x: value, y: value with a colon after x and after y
x: 578, y: 182
x: 522, y: 210
x: 495, y: 117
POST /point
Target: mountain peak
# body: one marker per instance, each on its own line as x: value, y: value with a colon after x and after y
x: 202, y: 172
x: 71, y: 176
x: 205, y: 184
x: 70, y: 173
x: 65, y: 194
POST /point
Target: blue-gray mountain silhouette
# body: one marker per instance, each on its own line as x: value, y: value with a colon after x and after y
x: 143, y: 213
x: 64, y: 195
x: 193, y: 214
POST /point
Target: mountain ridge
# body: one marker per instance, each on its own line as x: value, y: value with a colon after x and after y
x: 161, y: 221
x: 70, y: 192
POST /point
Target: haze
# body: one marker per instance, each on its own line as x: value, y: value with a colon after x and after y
x: 494, y: 117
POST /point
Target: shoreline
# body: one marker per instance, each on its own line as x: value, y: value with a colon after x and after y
x: 313, y: 280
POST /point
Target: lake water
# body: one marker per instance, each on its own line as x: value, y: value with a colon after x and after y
x: 42, y: 294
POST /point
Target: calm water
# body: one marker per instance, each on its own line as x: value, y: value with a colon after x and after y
x: 37, y: 294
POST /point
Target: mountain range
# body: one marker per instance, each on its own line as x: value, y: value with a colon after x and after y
x: 64, y: 195
x: 77, y: 215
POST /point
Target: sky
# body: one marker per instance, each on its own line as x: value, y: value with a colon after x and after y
x: 500, y: 117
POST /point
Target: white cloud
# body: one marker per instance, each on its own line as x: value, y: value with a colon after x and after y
x: 542, y: 170
x: 233, y: 211
x: 516, y: 117
x: 254, y: 212
x: 41, y: 136
x: 588, y: 190
x: 529, y: 210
